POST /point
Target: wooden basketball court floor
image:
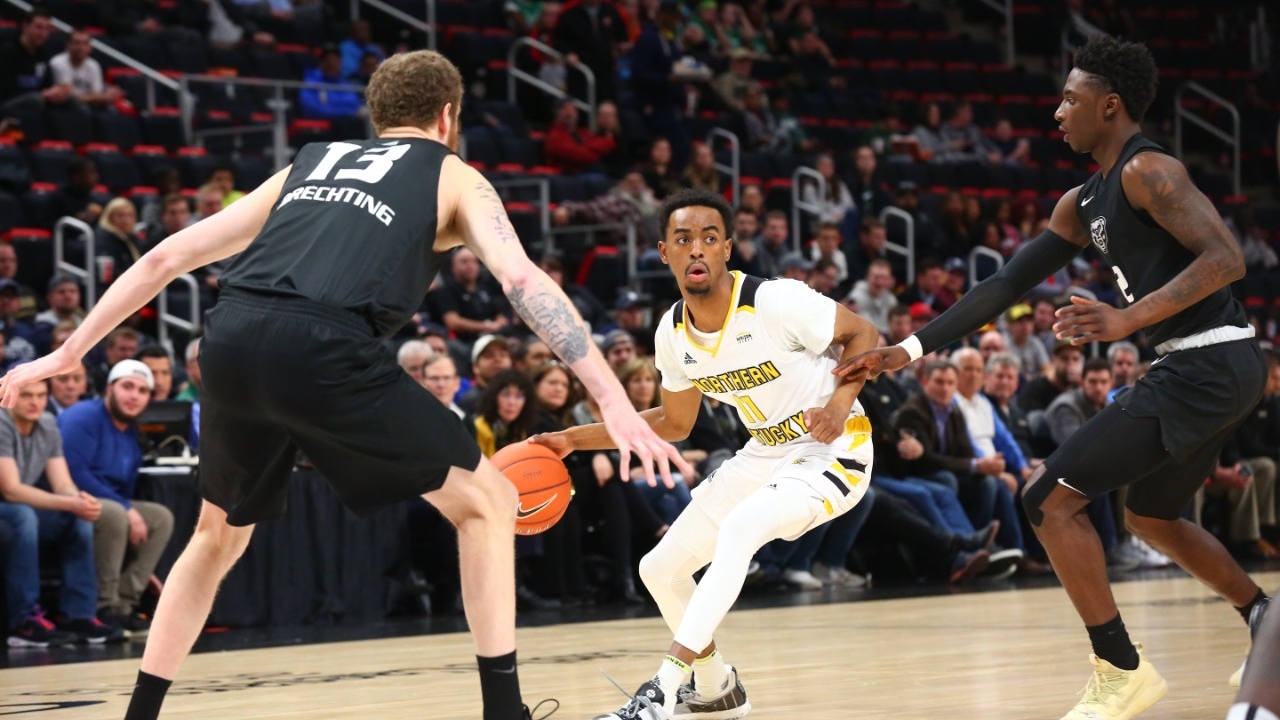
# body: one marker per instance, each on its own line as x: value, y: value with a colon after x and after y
x: 997, y: 655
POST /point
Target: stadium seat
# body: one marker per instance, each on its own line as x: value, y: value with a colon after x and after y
x: 48, y: 161
x: 162, y: 127
x: 250, y: 172
x: 10, y: 211
x: 122, y: 130
x: 34, y: 248
x: 72, y: 125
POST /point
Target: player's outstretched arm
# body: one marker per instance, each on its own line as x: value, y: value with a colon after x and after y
x: 1158, y: 184
x: 672, y: 421
x: 1037, y: 260
x: 486, y: 229
x: 209, y: 240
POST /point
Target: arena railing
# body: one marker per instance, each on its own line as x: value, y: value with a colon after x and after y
x: 544, y: 204
x: 153, y: 76
x: 734, y: 168
x: 278, y: 104
x: 1232, y: 139
x: 426, y: 24
x: 908, y: 249
x: 166, y: 320
x: 1005, y: 8
x: 515, y: 74
x: 798, y: 204
x: 86, y: 275
x: 978, y: 252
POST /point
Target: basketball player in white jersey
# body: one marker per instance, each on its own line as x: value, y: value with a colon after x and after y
x: 768, y: 348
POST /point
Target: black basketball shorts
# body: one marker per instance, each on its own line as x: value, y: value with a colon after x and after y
x: 287, y: 374
x: 1162, y: 437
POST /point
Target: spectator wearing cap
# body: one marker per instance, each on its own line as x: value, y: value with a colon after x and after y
x: 921, y: 314
x: 575, y: 149
x: 63, y: 296
x: 795, y: 266
x: 1020, y: 339
x: 1063, y: 374
x: 929, y: 282
x: 20, y: 336
x: 619, y: 348
x: 953, y: 285
x: 103, y: 455
x: 629, y: 311
x: 343, y: 108
x: 490, y: 355
x: 732, y: 85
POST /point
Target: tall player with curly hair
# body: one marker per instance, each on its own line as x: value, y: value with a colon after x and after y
x: 1173, y: 259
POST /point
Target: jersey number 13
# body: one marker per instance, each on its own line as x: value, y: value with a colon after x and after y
x: 379, y: 159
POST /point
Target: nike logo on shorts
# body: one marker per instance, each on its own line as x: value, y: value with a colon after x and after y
x: 1087, y: 200
x: 522, y: 513
x: 1063, y: 483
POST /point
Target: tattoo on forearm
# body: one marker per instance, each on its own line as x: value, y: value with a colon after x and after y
x: 501, y: 225
x: 1183, y: 211
x: 554, y: 319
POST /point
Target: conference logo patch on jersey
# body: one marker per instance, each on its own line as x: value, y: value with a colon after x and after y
x: 1098, y: 233
x: 688, y: 359
x: 744, y: 338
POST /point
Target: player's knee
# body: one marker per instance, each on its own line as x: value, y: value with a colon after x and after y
x: 485, y: 496
x: 1146, y: 527
x: 654, y: 572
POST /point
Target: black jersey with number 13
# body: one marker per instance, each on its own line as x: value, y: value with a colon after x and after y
x: 1143, y: 255
x: 353, y: 228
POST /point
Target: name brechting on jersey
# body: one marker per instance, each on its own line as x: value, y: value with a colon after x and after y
x: 351, y: 196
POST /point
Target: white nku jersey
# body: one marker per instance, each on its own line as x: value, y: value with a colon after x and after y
x: 772, y: 360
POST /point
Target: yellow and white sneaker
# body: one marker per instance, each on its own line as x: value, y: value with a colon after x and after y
x: 1115, y: 694
x: 1237, y: 676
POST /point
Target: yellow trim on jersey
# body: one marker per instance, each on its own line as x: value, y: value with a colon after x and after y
x: 733, y: 306
x: 849, y: 477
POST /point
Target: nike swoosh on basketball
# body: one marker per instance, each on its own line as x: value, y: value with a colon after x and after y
x: 1087, y: 200
x: 522, y: 513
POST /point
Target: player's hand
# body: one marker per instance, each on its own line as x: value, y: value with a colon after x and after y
x: 55, y: 363
x: 633, y: 436
x: 823, y: 424
x: 137, y: 527
x: 1085, y: 321
x: 873, y: 362
x: 556, y: 442
x: 86, y: 507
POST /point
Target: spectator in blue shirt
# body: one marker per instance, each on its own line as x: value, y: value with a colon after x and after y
x: 319, y: 103
x: 357, y: 46
x: 101, y: 446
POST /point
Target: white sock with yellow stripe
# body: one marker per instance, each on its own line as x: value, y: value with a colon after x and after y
x: 670, y: 677
x: 710, y: 674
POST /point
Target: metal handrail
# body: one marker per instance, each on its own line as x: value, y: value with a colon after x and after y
x: 151, y: 74
x: 277, y: 104
x: 1232, y: 140
x: 544, y: 203
x: 514, y: 73
x: 981, y: 251
x: 165, y: 319
x: 798, y: 204
x: 908, y: 250
x: 734, y: 168
x: 86, y: 274
x: 1005, y: 7
x: 428, y: 27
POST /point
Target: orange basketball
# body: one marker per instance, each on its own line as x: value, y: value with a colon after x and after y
x: 542, y: 481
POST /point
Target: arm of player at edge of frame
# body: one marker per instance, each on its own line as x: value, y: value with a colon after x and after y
x: 214, y: 238
x: 485, y: 228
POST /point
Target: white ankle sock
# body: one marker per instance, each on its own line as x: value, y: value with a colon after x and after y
x: 670, y: 677
x: 1241, y: 711
x: 710, y: 674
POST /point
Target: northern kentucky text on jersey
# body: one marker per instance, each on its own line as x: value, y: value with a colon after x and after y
x: 351, y: 196
x: 734, y: 380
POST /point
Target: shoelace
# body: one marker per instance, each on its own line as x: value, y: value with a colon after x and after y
x: 635, y: 704
x: 1100, y: 684
x: 529, y: 713
x: 37, y: 616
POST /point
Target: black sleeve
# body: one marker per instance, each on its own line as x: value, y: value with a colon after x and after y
x: 1036, y: 261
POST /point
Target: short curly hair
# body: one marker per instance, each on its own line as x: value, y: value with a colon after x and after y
x: 695, y: 197
x: 410, y: 89
x: 1124, y: 68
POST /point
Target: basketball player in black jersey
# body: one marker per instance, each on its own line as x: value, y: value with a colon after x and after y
x: 336, y: 255
x: 1173, y: 258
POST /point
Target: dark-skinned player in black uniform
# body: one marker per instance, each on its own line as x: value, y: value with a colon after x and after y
x: 337, y: 252
x: 1173, y: 258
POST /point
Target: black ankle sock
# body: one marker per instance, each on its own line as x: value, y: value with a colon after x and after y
x: 1111, y: 643
x: 1248, y: 608
x: 500, y: 687
x: 148, y: 696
